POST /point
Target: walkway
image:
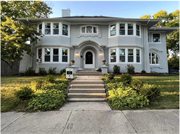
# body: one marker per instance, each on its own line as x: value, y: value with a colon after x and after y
x: 91, y: 122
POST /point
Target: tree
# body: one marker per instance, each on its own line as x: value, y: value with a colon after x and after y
x: 169, y: 20
x: 146, y: 17
x: 14, y: 34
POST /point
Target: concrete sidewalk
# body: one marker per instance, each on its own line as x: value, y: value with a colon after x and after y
x: 94, y: 119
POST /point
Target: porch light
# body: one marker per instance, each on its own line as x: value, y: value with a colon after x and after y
x: 77, y: 54
x: 100, y: 54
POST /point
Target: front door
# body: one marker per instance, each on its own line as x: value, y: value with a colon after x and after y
x: 89, y: 59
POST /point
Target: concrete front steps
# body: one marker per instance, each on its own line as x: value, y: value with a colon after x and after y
x: 87, y: 87
x: 88, y: 72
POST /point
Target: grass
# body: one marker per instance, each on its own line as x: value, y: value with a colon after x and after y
x: 9, y: 84
x: 169, y: 87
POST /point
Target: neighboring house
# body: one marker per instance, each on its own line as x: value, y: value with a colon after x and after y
x: 90, y: 39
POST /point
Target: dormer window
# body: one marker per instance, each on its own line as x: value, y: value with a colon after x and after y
x: 89, y: 29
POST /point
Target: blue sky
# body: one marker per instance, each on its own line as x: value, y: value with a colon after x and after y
x: 125, y: 9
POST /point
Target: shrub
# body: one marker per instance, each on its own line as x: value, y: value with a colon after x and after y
x: 143, y: 71
x: 50, y: 78
x: 116, y: 69
x: 111, y: 86
x: 30, y: 72
x: 136, y: 84
x: 36, y: 84
x: 42, y: 71
x: 130, y: 69
x: 150, y: 91
x: 63, y: 75
x: 25, y: 93
x: 126, y: 78
x: 52, y: 71
x: 126, y: 98
x: 109, y: 76
x: 62, y: 71
x: 113, y: 81
x: 52, y: 98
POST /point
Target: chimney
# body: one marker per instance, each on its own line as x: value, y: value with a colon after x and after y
x: 66, y: 12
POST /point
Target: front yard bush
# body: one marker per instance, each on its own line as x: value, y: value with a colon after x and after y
x: 36, y: 84
x: 63, y: 75
x: 25, y: 93
x: 149, y: 90
x: 53, y: 97
x: 109, y: 76
x: 30, y: 72
x: 52, y: 71
x: 62, y: 71
x: 130, y: 69
x: 126, y: 78
x: 121, y: 98
x: 116, y: 69
x: 136, y: 84
x: 42, y: 71
x: 50, y: 78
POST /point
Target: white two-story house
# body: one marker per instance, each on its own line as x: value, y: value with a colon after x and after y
x: 90, y: 39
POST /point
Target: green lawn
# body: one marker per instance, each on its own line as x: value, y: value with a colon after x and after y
x: 9, y: 84
x: 169, y: 86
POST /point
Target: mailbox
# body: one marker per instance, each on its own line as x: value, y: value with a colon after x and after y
x: 69, y: 73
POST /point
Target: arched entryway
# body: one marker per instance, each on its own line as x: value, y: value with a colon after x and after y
x: 89, y: 59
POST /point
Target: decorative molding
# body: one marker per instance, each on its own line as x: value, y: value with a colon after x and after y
x: 156, y: 49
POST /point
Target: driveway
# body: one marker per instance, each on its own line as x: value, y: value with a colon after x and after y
x: 91, y: 118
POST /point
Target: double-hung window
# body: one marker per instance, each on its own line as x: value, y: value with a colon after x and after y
x: 55, y: 28
x: 39, y: 55
x: 122, y: 55
x: 64, y: 55
x: 137, y: 55
x: 130, y: 55
x: 130, y: 29
x: 65, y: 29
x: 40, y: 28
x: 153, y: 58
x: 156, y: 37
x: 55, y: 55
x: 122, y: 29
x: 48, y: 28
x: 47, y: 54
x: 113, y: 30
x: 113, y: 55
x: 137, y: 30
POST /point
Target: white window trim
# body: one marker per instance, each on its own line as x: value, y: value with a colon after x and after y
x: 125, y: 27
x: 92, y: 30
x: 117, y: 28
x: 152, y: 41
x: 51, y: 55
x: 116, y: 56
x: 67, y: 55
x: 50, y: 29
x: 155, y: 58
x: 61, y: 25
x: 53, y: 29
x: 126, y: 55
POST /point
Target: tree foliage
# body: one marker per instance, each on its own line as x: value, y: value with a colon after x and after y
x: 169, y: 20
x: 15, y: 34
x: 146, y: 17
